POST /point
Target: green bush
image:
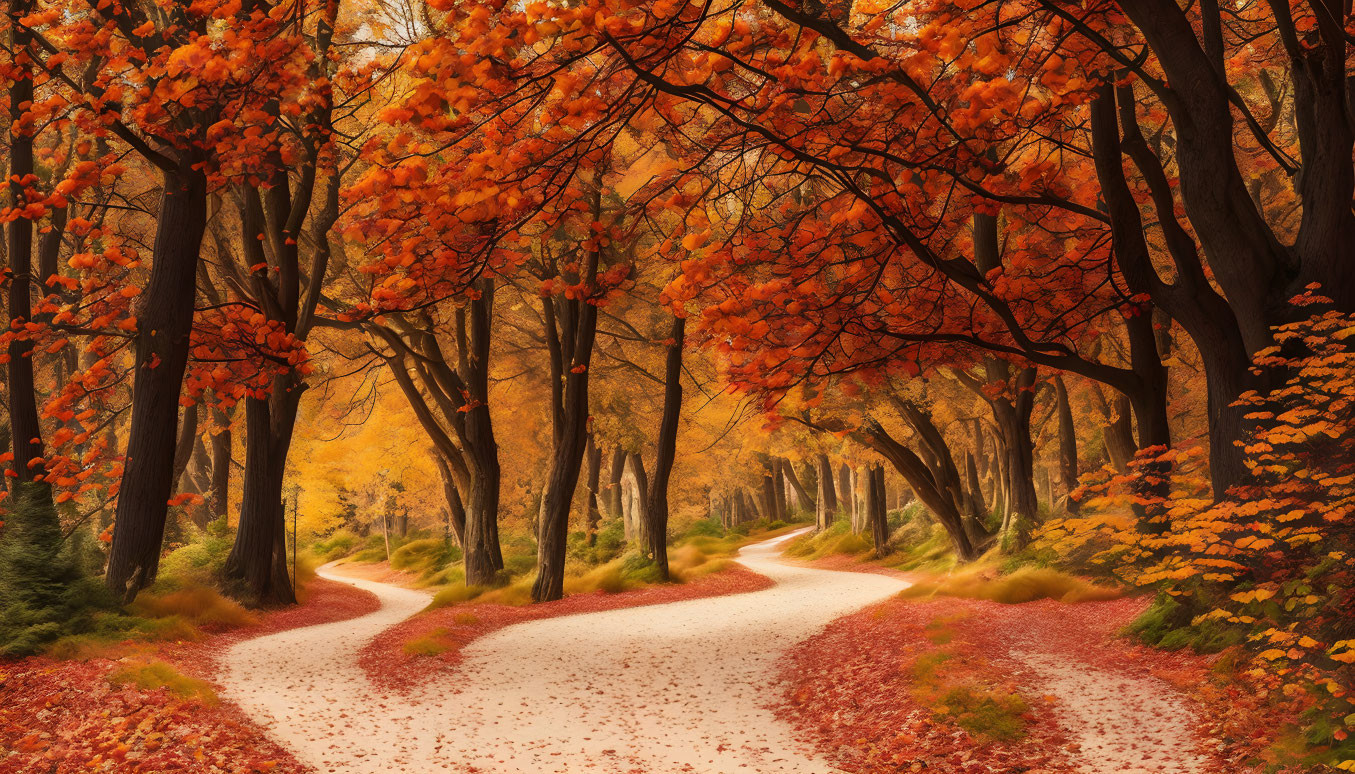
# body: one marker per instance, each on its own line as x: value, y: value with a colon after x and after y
x: 200, y: 560
x: 45, y: 594
x: 1168, y: 624
x: 704, y: 528
x: 336, y: 546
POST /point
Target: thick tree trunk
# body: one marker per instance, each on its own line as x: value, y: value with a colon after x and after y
x: 258, y: 560
x: 639, y: 493
x: 164, y: 323
x: 483, y: 557
x: 25, y: 430
x: 846, y: 492
x: 657, y: 507
x: 826, y: 505
x: 768, y: 496
x: 615, y: 472
x: 879, y: 521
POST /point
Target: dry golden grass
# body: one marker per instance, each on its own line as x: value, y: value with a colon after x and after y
x: 199, y: 605
x: 1024, y: 585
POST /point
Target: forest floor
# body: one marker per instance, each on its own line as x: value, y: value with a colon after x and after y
x: 682, y: 686
x: 946, y: 685
x: 654, y: 680
x: 149, y: 707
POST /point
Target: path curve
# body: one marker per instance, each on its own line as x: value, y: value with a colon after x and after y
x: 679, y: 687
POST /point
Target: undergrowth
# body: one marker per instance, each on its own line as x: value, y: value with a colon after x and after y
x: 838, y: 538
x: 1023, y: 585
x: 949, y: 683
x: 47, y: 585
x: 1171, y: 624
x: 157, y: 674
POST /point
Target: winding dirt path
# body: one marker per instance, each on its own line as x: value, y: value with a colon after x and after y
x: 681, y: 687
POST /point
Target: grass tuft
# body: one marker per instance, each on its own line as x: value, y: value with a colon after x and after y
x: 199, y: 605
x: 158, y: 674
x: 431, y: 644
x: 984, y: 713
x: 1024, y: 585
x: 838, y: 538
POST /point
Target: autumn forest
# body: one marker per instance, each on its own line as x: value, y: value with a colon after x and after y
x: 678, y: 385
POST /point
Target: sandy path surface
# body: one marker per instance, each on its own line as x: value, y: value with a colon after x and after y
x: 1123, y: 724
x: 680, y: 687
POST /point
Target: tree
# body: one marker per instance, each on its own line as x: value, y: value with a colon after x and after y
x: 656, y: 508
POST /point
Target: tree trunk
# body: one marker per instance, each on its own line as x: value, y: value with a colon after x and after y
x: 571, y: 358
x: 183, y: 448
x: 778, y: 490
x: 221, y: 465
x: 483, y: 557
x: 25, y: 430
x: 258, y: 559
x: 826, y: 505
x: 164, y: 323
x: 915, y: 472
x: 639, y: 494
x: 616, y: 471
x: 846, y: 492
x: 975, y: 488
x: 593, y: 453
x: 768, y: 496
x: 657, y: 507
x: 806, y: 500
x: 1067, y: 445
x: 879, y: 520
x: 456, y: 512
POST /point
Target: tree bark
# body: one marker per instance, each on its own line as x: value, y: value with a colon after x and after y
x: 456, y: 512
x: 164, y: 323
x: 639, y: 498
x: 188, y: 438
x: 657, y: 507
x: 915, y: 472
x: 25, y: 430
x: 1067, y: 444
x: 483, y: 556
x: 846, y: 492
x: 806, y: 500
x: 826, y: 504
x: 879, y: 520
x: 778, y: 489
x: 221, y: 464
x: 593, y: 453
x: 767, y: 496
x: 616, y: 471
x: 258, y: 558
x: 571, y: 358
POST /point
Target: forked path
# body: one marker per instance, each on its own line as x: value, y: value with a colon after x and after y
x: 680, y: 687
